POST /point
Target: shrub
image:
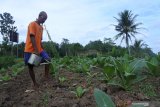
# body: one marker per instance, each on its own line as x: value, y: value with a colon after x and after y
x: 6, y: 61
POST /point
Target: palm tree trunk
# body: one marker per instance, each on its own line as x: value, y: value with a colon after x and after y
x: 127, y: 43
x: 129, y: 50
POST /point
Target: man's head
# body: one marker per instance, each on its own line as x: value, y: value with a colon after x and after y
x: 42, y: 17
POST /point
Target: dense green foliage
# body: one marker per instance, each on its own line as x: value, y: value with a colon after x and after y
x: 12, y: 67
x: 6, y: 61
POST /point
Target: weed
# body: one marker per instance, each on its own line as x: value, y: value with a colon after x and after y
x: 148, y: 90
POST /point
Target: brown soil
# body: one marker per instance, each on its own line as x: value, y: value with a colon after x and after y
x: 53, y: 94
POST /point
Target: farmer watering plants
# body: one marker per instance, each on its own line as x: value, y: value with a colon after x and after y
x: 33, y: 46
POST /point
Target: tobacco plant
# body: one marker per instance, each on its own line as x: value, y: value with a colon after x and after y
x: 124, y: 71
x: 153, y: 66
x: 79, y: 92
x: 62, y: 79
x: 54, y: 68
x: 104, y: 100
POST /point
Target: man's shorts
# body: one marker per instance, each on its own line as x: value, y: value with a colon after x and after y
x: 43, y: 54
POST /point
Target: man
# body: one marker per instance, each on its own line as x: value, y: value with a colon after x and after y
x: 34, y: 45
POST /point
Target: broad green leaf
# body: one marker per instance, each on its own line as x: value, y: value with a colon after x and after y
x: 79, y: 91
x: 154, y: 61
x: 109, y: 71
x: 137, y: 65
x: 117, y: 82
x: 102, y: 99
x: 137, y: 106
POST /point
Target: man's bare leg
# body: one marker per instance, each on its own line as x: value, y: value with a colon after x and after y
x: 47, y: 71
x: 32, y: 75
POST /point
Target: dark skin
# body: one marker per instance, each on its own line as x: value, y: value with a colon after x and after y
x: 41, y: 19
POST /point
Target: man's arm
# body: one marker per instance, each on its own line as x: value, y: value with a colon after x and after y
x: 34, y: 44
x: 41, y: 44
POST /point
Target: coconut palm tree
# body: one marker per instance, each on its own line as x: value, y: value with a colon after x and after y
x: 138, y: 46
x: 126, y: 27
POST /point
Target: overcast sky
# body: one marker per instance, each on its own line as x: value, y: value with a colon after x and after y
x: 85, y: 20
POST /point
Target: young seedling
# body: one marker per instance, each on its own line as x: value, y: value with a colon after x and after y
x: 45, y: 99
x: 2, y: 70
x: 62, y: 79
x: 89, y: 78
x: 6, y: 77
x: 79, y: 92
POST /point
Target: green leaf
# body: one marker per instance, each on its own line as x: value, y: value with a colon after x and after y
x: 2, y: 70
x: 153, y: 66
x: 109, y: 71
x: 154, y: 61
x: 6, y: 77
x: 117, y: 82
x: 102, y: 99
x: 137, y: 106
x: 137, y: 65
x: 79, y: 91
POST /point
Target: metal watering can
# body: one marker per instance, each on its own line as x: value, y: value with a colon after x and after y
x: 34, y: 59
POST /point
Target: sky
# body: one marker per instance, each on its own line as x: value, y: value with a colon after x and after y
x: 83, y: 21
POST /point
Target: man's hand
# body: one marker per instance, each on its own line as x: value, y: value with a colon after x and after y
x: 36, y: 52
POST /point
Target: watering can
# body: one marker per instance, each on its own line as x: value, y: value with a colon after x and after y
x: 34, y: 59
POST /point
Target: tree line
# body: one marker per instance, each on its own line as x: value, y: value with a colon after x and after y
x: 126, y: 27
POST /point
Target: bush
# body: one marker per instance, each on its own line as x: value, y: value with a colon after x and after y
x: 6, y: 61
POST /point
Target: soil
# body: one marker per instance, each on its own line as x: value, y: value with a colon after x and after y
x: 19, y: 91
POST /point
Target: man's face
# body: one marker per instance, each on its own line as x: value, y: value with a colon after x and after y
x: 42, y: 18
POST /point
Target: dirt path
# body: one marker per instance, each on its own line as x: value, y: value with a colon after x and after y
x: 53, y: 94
x: 50, y: 93
x: 12, y: 93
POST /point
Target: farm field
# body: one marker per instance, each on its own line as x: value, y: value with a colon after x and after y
x: 59, y: 91
x: 100, y: 73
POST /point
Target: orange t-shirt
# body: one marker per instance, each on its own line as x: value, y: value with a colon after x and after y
x: 37, y: 30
